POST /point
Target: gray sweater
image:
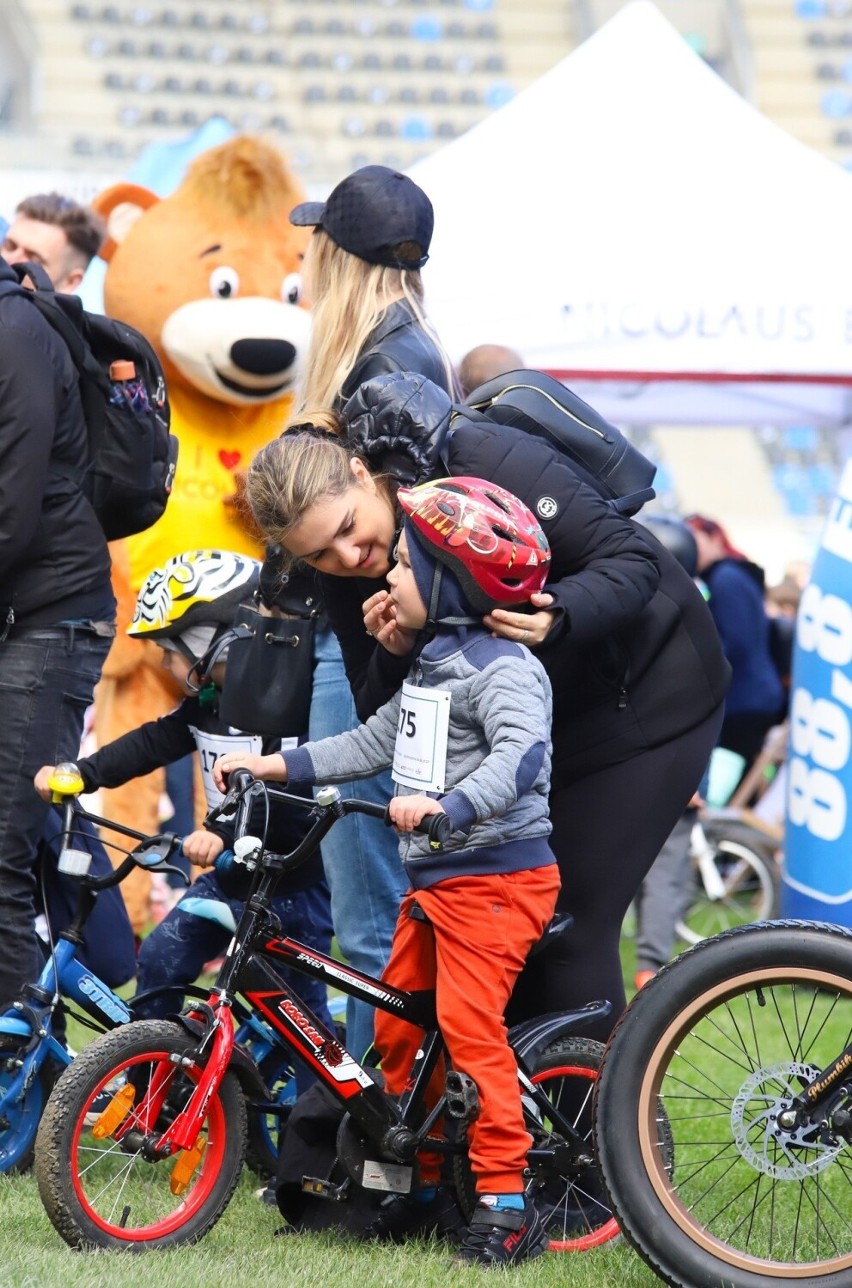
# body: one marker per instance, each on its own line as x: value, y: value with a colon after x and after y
x: 498, y: 760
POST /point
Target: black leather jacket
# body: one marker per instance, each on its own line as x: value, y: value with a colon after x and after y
x: 398, y: 343
x: 633, y: 657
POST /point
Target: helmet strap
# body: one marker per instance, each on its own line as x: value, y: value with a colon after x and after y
x: 432, y: 619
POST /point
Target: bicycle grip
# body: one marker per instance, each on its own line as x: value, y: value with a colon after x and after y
x: 436, y: 826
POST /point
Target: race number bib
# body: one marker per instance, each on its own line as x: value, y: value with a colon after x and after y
x: 213, y: 745
x: 420, y: 751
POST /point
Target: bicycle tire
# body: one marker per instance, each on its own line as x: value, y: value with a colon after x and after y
x: 722, y: 1038
x: 262, y: 1129
x: 21, y: 1120
x: 105, y: 1194
x: 751, y: 876
x: 573, y: 1206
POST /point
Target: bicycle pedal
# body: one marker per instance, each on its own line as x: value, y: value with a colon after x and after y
x: 321, y: 1188
x: 462, y: 1096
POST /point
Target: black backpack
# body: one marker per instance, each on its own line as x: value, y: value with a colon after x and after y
x: 602, y: 456
x: 132, y: 455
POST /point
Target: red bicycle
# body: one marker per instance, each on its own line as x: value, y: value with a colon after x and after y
x: 143, y: 1138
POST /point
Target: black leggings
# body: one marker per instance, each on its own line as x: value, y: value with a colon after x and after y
x: 608, y: 828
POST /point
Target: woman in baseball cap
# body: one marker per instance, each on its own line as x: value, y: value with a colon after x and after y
x: 362, y: 277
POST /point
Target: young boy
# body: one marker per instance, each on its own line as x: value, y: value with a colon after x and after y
x: 185, y: 607
x: 468, y: 736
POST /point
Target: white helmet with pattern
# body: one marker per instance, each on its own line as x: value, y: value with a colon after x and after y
x: 198, y: 587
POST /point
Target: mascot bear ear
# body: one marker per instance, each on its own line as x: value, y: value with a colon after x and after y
x: 121, y: 205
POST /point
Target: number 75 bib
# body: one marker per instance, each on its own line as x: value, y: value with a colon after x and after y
x: 420, y: 751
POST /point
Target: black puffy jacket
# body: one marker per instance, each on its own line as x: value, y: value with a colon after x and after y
x: 634, y: 656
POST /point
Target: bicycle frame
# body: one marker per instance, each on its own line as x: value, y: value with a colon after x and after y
x: 398, y: 1129
x: 26, y: 1027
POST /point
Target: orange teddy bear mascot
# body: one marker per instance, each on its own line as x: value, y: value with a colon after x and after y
x: 210, y: 275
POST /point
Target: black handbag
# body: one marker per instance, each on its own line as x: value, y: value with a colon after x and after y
x: 269, y: 674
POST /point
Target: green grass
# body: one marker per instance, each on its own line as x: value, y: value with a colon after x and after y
x: 242, y: 1252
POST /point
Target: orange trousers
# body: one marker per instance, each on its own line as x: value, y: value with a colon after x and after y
x: 470, y: 951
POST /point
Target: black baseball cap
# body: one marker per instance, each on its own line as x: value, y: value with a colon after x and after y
x: 370, y: 212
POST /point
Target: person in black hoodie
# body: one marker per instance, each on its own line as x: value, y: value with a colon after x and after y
x: 57, y: 609
x: 632, y: 653
x: 185, y: 607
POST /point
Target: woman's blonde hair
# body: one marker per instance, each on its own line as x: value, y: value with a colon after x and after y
x: 307, y: 464
x: 350, y: 296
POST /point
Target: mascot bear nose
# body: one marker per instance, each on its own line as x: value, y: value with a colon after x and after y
x: 263, y: 357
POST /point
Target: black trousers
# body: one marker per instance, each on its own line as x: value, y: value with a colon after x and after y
x: 608, y: 827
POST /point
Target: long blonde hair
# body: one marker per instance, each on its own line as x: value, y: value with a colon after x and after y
x: 350, y: 297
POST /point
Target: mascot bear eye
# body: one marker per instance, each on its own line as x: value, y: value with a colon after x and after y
x: 224, y: 282
x: 291, y: 288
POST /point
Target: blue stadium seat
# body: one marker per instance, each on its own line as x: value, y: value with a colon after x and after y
x: 415, y: 128
x: 499, y: 94
x: 426, y: 27
x: 800, y: 438
x: 823, y: 480
x: 836, y: 104
x: 810, y: 9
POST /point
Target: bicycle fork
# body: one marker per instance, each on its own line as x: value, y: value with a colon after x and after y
x: 130, y: 1124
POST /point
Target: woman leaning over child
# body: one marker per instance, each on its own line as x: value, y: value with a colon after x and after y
x: 627, y: 641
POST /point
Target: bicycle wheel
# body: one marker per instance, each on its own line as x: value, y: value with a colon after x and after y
x: 749, y: 883
x: 19, y: 1120
x: 97, y: 1186
x: 570, y: 1199
x: 265, y: 1126
x: 723, y: 1039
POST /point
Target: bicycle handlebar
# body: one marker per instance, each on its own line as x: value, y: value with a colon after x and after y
x: 240, y: 790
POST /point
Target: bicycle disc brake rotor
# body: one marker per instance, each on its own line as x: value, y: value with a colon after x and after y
x: 783, y: 1155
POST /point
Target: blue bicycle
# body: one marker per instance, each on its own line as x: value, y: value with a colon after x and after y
x: 32, y: 1056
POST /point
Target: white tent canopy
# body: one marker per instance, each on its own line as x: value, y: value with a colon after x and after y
x: 630, y: 220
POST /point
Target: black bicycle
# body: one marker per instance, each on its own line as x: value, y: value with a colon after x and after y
x: 156, y: 1165
x: 725, y: 1098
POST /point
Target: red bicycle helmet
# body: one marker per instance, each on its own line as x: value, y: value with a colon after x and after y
x: 484, y: 534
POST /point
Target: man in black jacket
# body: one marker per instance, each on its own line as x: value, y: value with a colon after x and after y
x: 57, y: 608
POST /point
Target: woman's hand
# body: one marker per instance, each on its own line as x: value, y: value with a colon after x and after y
x: 524, y: 628
x: 380, y: 622
x: 202, y: 848
x: 271, y: 768
x: 407, y: 811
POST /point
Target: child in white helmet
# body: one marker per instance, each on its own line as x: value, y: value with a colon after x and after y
x: 185, y: 607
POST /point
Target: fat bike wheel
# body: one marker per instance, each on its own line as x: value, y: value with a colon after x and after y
x: 723, y: 1039
x: 749, y: 883
x: 97, y: 1186
x: 570, y: 1200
